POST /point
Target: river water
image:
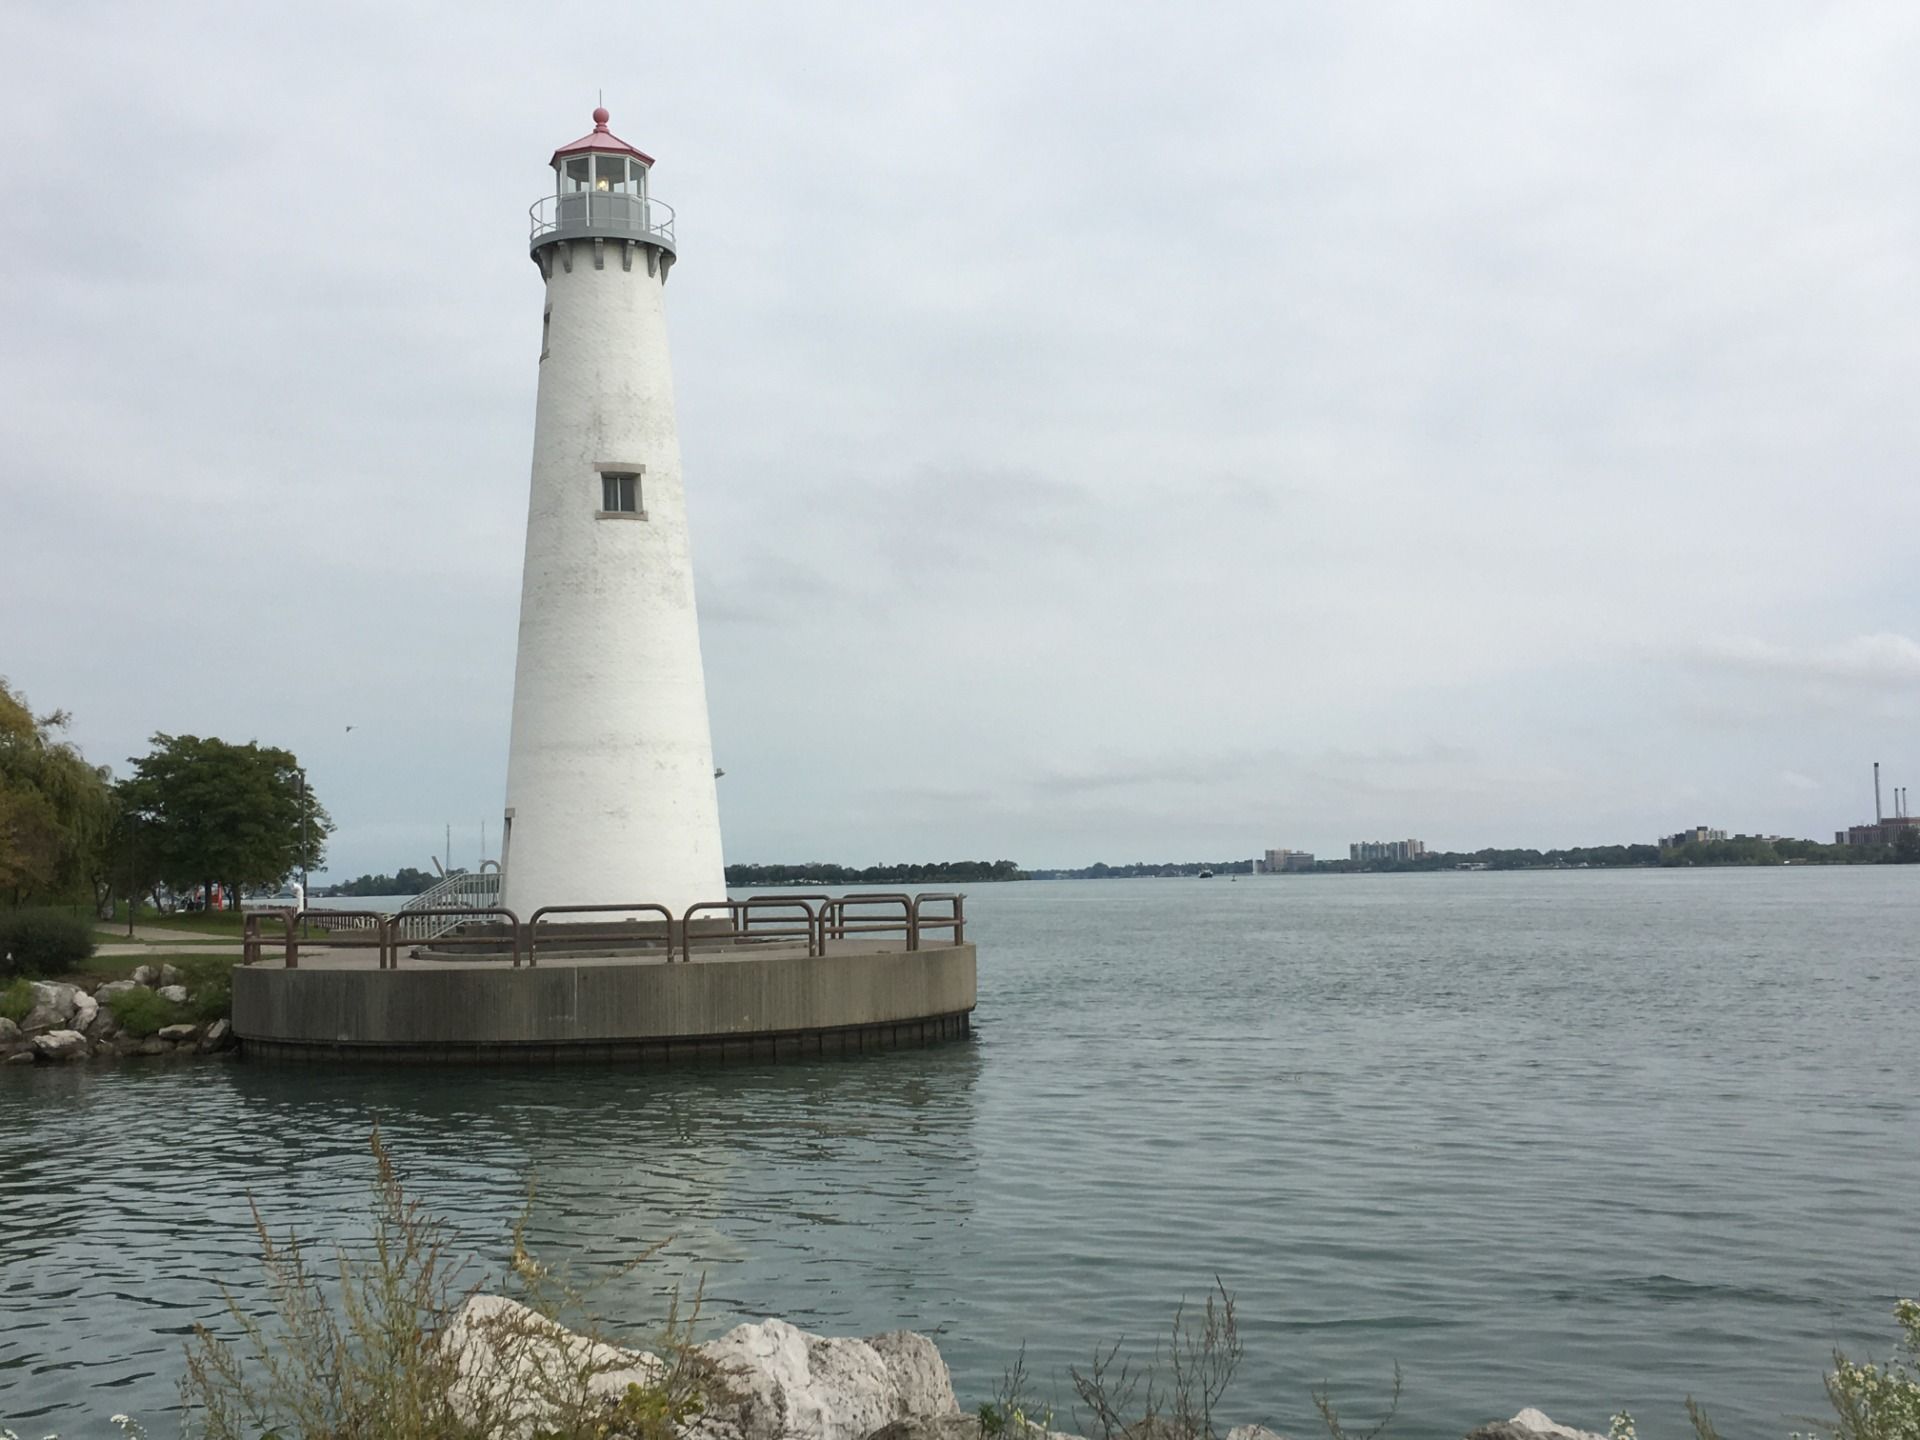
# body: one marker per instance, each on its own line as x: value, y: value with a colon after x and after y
x: 1580, y: 1140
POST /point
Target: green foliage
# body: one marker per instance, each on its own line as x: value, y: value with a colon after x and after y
x: 211, y: 811
x: 1013, y: 1413
x: 404, y: 881
x: 43, y: 942
x: 143, y: 1012
x: 16, y: 1000
x: 1880, y: 1402
x: 54, y: 806
x: 209, y: 982
x: 373, y: 1349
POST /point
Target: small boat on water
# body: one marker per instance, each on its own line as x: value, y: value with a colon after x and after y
x: 1206, y: 874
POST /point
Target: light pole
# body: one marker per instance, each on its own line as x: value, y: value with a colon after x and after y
x: 133, y: 882
x: 303, y: 848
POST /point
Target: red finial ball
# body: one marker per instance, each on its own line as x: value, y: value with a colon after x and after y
x: 600, y: 116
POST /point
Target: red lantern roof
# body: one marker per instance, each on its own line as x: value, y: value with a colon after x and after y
x: 602, y: 140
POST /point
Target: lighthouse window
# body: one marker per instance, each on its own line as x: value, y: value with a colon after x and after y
x: 619, y: 493
x: 578, y: 172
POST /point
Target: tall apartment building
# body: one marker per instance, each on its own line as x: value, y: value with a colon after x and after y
x: 1387, y: 850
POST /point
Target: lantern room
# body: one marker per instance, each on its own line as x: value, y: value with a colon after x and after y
x: 600, y: 193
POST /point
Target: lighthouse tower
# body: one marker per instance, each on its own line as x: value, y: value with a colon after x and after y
x: 610, y: 776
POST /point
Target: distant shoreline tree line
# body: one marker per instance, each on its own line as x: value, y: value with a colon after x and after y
x: 404, y: 881
x: 1740, y: 850
x: 194, y: 813
x: 937, y: 872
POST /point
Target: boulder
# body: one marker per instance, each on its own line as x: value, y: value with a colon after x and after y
x: 919, y: 1375
x: 170, y: 975
x: 104, y: 995
x: 60, y: 1045
x: 501, y: 1350
x: 19, y: 1057
x: 176, y: 993
x: 9, y: 1032
x: 1530, y: 1424
x: 1253, y: 1432
x: 789, y: 1385
x: 52, y: 1006
x: 153, y: 1045
x: 177, y: 1033
x: 145, y: 975
x: 86, y: 1010
x: 218, y: 1037
x: 935, y: 1427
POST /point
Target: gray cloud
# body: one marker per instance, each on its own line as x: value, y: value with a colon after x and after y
x: 1106, y: 432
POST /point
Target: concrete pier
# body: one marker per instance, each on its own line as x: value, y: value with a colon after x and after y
x: 757, y: 1002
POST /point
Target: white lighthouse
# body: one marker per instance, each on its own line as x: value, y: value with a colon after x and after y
x: 610, y: 775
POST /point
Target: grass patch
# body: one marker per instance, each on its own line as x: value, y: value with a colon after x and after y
x: 146, y: 1012
x: 16, y: 1000
x: 191, y: 922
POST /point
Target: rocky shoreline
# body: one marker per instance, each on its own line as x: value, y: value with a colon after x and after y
x: 778, y: 1382
x: 70, y: 1022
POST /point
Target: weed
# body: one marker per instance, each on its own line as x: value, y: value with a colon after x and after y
x: 387, y: 1347
x: 16, y: 1000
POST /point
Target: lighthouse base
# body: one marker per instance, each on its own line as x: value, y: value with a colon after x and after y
x: 612, y: 1010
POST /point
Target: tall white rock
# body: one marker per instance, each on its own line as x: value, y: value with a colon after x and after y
x: 610, y: 776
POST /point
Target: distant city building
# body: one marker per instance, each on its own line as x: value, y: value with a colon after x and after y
x: 1278, y: 861
x: 1885, y: 833
x: 1698, y: 835
x: 1387, y: 850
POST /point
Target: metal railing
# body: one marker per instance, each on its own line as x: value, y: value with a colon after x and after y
x: 368, y: 930
x: 416, y: 920
x: 781, y: 923
x: 463, y: 915
x: 954, y: 921
x: 868, y: 914
x: 756, y: 920
x: 625, y: 933
x: 608, y: 214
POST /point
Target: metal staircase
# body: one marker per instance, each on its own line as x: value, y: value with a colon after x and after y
x: 471, y: 889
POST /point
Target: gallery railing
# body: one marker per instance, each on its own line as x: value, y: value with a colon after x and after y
x: 631, y: 936
x: 713, y: 927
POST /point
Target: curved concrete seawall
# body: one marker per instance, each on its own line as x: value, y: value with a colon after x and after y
x: 766, y: 1006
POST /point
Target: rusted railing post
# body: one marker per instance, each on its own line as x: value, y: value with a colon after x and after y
x: 293, y: 945
x: 250, y: 939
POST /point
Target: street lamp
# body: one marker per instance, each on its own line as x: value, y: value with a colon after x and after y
x: 303, y: 848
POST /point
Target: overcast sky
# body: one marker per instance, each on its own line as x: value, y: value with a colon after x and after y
x: 1110, y: 432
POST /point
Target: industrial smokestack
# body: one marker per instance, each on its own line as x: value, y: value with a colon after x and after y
x: 1876, y: 792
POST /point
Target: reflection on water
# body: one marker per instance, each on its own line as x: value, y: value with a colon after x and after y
x: 1581, y: 1141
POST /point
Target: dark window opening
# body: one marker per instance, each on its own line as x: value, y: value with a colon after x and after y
x: 619, y: 494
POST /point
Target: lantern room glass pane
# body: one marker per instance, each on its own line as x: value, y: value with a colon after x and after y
x: 576, y: 174
x: 610, y: 174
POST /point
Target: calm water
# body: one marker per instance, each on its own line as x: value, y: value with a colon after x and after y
x: 1575, y: 1140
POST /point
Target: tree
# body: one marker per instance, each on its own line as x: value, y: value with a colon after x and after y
x: 54, y: 806
x: 213, y: 812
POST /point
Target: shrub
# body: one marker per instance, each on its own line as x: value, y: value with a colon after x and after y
x: 142, y: 1012
x: 16, y: 1000
x: 43, y: 942
x: 364, y: 1348
x: 209, y: 982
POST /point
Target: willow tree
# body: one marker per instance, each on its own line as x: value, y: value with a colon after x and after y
x: 54, y: 807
